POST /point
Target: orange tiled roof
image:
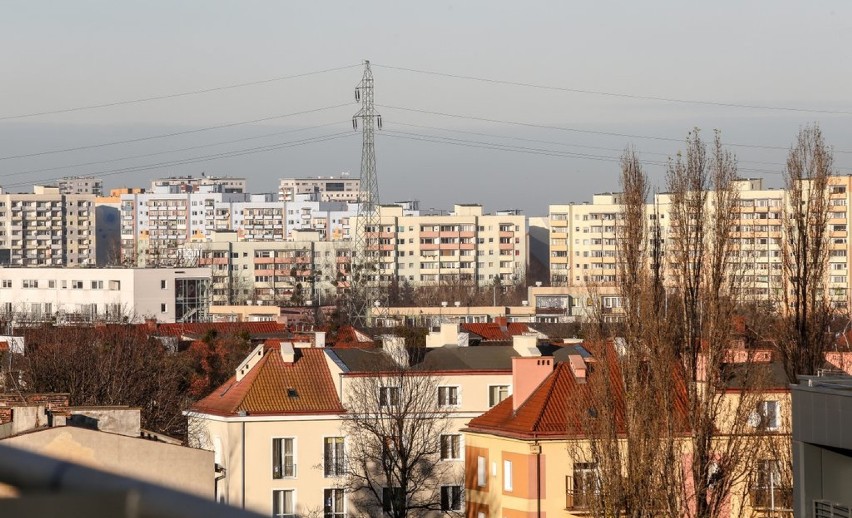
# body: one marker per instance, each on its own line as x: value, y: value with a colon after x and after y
x: 560, y: 404
x: 265, y: 388
x: 493, y: 331
x: 252, y: 328
x: 553, y: 409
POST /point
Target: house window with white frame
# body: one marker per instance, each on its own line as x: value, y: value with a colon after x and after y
x: 448, y: 396
x: 451, y: 498
x: 497, y: 393
x: 481, y: 471
x: 284, y: 503
x: 334, y: 501
x: 507, y: 475
x: 333, y: 456
x: 768, y: 415
x: 392, y: 497
x: 388, y: 396
x: 283, y: 457
x: 451, y: 447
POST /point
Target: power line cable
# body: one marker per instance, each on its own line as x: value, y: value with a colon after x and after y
x: 204, y: 158
x: 557, y: 143
x: 531, y: 150
x: 174, y: 95
x: 166, y: 152
x: 174, y: 134
x: 617, y: 94
x: 576, y: 130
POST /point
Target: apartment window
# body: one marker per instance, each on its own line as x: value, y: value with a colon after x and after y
x: 97, y: 285
x: 451, y: 498
x: 392, y: 497
x: 333, y: 456
x: 283, y: 457
x: 582, y: 485
x: 51, y: 284
x: 163, y: 308
x: 497, y: 393
x: 507, y: 475
x: 450, y: 447
x: 769, y: 489
x: 334, y: 500
x: 481, y: 468
x: 388, y: 396
x: 283, y: 503
x: 767, y: 416
x: 115, y: 285
x: 77, y: 285
x: 162, y: 284
x: 30, y: 283
x: 7, y: 283
x: 448, y: 396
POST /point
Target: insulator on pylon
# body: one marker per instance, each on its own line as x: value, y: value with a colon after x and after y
x: 379, y: 121
x: 358, y: 95
x: 354, y: 123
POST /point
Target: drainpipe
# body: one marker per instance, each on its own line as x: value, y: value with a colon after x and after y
x: 538, y: 479
x: 243, y: 414
x: 221, y: 474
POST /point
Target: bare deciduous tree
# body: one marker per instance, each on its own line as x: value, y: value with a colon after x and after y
x: 395, y: 429
x: 803, y: 336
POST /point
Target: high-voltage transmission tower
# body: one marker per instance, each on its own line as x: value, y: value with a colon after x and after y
x: 366, y: 287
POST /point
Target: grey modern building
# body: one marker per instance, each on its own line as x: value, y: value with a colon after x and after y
x: 822, y: 446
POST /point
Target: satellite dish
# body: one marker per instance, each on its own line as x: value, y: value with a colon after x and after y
x: 754, y: 420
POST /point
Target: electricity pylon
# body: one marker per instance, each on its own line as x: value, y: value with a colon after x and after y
x: 366, y: 287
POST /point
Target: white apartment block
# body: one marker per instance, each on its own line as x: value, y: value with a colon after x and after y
x: 73, y: 295
x: 156, y: 226
x: 583, y: 238
x: 47, y: 228
x: 465, y: 245
x: 269, y: 272
x: 184, y: 184
x: 329, y: 188
x: 330, y: 219
x: 81, y: 185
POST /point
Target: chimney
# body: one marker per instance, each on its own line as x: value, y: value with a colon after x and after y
x: 527, y: 375
x: 503, y: 322
x: 578, y: 367
x: 526, y: 345
x: 319, y: 338
x: 151, y: 323
x: 288, y: 353
x: 394, y: 346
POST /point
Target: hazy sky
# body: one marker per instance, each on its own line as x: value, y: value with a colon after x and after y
x: 59, y: 55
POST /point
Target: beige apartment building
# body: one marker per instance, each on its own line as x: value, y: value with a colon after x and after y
x: 184, y: 184
x: 47, y: 228
x: 466, y: 245
x: 269, y: 272
x: 276, y: 427
x: 583, y: 239
x: 328, y: 188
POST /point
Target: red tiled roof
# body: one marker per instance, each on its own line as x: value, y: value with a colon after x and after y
x: 560, y: 404
x: 350, y: 338
x: 493, y: 330
x: 555, y: 408
x: 198, y: 328
x: 264, y: 389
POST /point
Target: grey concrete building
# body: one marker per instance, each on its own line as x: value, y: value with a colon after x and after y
x: 822, y: 446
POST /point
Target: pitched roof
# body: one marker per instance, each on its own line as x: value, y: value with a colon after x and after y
x: 554, y: 409
x: 222, y: 328
x: 432, y: 359
x: 275, y: 387
x: 494, y: 330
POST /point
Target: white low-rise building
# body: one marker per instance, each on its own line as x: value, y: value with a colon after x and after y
x: 67, y: 295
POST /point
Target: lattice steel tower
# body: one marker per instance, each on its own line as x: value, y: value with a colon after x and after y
x: 366, y: 283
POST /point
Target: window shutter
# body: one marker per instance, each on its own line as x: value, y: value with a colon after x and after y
x: 276, y: 458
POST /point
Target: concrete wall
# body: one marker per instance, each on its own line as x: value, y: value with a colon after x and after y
x: 176, y: 467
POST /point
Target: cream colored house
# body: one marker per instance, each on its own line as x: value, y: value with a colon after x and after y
x: 276, y: 427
